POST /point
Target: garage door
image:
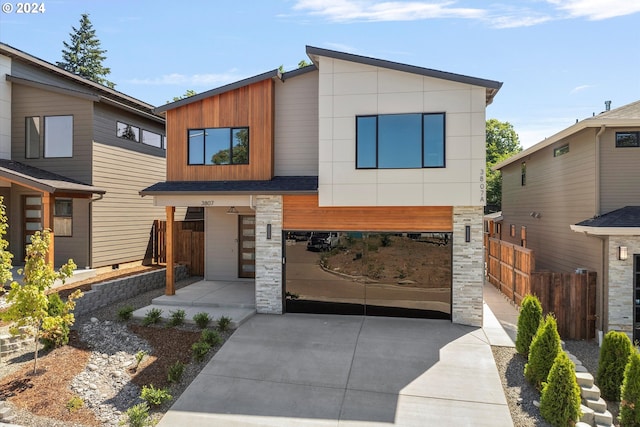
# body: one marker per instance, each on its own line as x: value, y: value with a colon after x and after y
x: 376, y: 274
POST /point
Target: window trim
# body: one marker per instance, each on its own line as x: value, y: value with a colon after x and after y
x: 637, y: 142
x: 45, y: 133
x: 204, y: 146
x: 56, y: 215
x: 422, y: 145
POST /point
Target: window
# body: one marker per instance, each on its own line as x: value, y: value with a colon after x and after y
x: 557, y: 152
x: 627, y: 139
x: 63, y: 217
x: 151, y: 138
x: 523, y: 174
x: 32, y: 137
x: 400, y: 141
x: 58, y: 136
x: 219, y: 146
x: 126, y: 131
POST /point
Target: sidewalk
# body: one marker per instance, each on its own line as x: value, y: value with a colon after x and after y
x: 500, y: 317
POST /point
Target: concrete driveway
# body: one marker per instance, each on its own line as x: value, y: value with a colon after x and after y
x: 327, y: 370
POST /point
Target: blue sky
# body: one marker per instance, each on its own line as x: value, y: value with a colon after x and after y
x: 559, y: 59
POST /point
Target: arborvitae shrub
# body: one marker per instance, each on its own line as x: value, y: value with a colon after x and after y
x: 560, y: 399
x: 630, y: 393
x: 544, y: 349
x: 614, y: 355
x: 528, y: 321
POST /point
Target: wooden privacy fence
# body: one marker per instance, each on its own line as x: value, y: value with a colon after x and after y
x: 188, y: 245
x: 570, y: 296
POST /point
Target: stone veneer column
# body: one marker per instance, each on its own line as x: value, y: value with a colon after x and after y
x: 269, y: 255
x: 620, y: 281
x: 467, y: 266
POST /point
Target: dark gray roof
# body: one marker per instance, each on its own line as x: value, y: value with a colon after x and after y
x: 277, y: 185
x: 629, y: 216
x: 491, y: 85
x: 43, y: 180
x: 226, y: 88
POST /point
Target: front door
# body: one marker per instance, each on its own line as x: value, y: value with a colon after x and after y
x: 247, y: 246
x: 32, y: 218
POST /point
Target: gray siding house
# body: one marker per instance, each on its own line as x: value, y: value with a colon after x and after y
x: 73, y: 156
x: 576, y: 195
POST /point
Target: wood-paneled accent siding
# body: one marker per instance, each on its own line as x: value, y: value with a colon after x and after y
x: 251, y: 106
x: 301, y: 212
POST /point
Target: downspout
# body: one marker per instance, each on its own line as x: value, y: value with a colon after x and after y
x: 89, y: 251
x: 603, y: 250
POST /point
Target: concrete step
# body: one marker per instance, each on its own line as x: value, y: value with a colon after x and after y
x: 588, y: 415
x: 582, y: 424
x: 597, y: 405
x: 585, y: 379
x: 590, y: 393
x: 237, y: 315
x: 604, y: 418
x: 580, y: 368
x: 5, y: 412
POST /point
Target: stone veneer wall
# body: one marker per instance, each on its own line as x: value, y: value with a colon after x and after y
x: 103, y: 294
x: 269, y: 255
x: 468, y: 266
x: 620, y: 281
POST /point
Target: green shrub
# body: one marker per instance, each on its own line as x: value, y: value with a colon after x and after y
x: 560, y: 399
x: 138, y: 415
x: 210, y: 337
x: 74, y: 404
x: 155, y: 396
x: 528, y: 321
x: 202, y: 319
x: 544, y: 349
x: 176, y: 318
x: 614, y: 355
x: 139, y: 356
x: 224, y: 323
x: 200, y: 350
x: 630, y: 393
x: 125, y: 313
x: 56, y: 333
x: 152, y: 317
x: 175, y: 372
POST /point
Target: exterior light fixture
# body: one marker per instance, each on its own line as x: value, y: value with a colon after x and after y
x: 622, y: 253
x: 268, y: 231
x: 232, y: 210
x: 467, y: 233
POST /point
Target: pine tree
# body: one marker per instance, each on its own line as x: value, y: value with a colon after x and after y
x: 543, y: 351
x: 83, y: 56
x: 630, y: 395
x: 528, y: 322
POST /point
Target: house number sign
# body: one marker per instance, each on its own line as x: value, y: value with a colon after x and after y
x: 207, y: 203
x: 482, y: 186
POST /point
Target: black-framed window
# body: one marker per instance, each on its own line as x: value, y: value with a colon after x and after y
x: 58, y: 136
x: 151, y: 138
x: 219, y: 146
x: 627, y: 139
x: 557, y: 152
x: 127, y: 131
x: 400, y: 141
x: 32, y: 133
x: 63, y: 217
x: 523, y: 174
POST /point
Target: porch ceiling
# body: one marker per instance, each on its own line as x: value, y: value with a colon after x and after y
x: 277, y: 185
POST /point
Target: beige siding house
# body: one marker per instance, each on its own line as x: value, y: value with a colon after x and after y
x: 575, y: 194
x: 73, y: 156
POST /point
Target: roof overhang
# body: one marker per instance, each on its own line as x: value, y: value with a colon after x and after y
x: 606, y: 231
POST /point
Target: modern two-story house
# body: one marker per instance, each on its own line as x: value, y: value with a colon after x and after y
x: 576, y: 195
x: 73, y: 156
x: 354, y: 185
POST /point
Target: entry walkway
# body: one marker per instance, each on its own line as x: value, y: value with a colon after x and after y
x: 327, y: 370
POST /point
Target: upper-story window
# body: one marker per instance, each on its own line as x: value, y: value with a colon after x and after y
x: 58, y: 136
x: 219, y: 146
x: 557, y: 152
x: 127, y: 131
x: 32, y: 137
x: 627, y: 139
x: 400, y: 141
x: 523, y: 174
x: 151, y: 138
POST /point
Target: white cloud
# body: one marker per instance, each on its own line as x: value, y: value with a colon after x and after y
x: 371, y: 10
x: 597, y: 9
x: 209, y: 80
x: 580, y: 88
x: 341, y: 47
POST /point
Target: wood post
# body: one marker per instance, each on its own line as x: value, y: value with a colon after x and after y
x: 170, y: 287
x: 48, y: 203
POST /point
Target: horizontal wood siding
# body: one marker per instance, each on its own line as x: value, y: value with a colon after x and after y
x: 250, y: 106
x: 619, y: 172
x: 105, y: 122
x: 296, y: 126
x: 562, y: 191
x: 301, y: 212
x: 30, y: 102
x: 122, y: 220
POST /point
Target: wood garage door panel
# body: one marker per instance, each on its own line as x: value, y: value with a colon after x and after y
x: 301, y: 212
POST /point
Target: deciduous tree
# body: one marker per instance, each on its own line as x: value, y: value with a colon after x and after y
x: 502, y: 143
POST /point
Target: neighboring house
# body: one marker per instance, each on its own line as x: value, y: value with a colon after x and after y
x: 381, y: 161
x: 576, y: 194
x: 73, y: 156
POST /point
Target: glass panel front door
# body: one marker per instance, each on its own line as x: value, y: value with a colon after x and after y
x: 247, y: 246
x: 32, y: 217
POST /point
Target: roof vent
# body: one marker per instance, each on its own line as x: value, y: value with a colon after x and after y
x: 607, y: 105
